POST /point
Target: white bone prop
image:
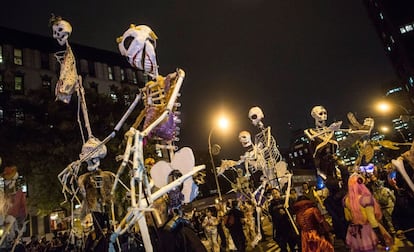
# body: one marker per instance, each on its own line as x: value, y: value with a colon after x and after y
x: 139, y: 180
x: 138, y: 45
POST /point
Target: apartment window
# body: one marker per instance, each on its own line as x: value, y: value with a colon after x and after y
x: 18, y: 56
x: 1, y: 84
x: 110, y: 73
x: 94, y: 86
x: 113, y: 95
x: 19, y: 117
x: 122, y: 75
x: 44, y: 61
x: 134, y: 77
x: 91, y: 68
x: 47, y: 83
x: 408, y: 27
x: 1, y: 54
x: 127, y: 100
x: 18, y: 84
x: 1, y: 115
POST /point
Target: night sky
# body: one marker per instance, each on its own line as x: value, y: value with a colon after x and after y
x: 283, y: 56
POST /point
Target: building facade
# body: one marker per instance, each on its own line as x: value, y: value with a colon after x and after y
x: 394, y: 23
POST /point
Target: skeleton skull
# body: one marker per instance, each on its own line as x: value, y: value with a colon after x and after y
x: 61, y: 30
x: 90, y: 148
x: 320, y: 115
x: 256, y: 116
x: 138, y: 45
x: 245, y: 139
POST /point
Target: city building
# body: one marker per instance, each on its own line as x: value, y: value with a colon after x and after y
x: 394, y: 23
x: 28, y: 63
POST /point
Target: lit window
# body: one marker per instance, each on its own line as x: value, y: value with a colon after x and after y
x: 134, y: 78
x: 1, y: 84
x: 18, y: 84
x: 381, y: 16
x: 18, y: 57
x: 389, y: 48
x: 113, y: 97
x: 392, y: 39
x: 110, y: 73
x: 295, y: 154
x: 122, y: 75
x: 1, y: 54
x: 408, y: 27
x: 402, y: 30
x: 127, y: 100
x: 411, y: 80
x: 1, y: 115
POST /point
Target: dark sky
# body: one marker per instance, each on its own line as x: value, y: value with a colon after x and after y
x: 284, y: 56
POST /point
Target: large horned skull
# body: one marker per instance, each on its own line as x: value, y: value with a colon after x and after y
x: 61, y: 29
x: 95, y: 153
x: 138, y: 45
x: 256, y: 116
x: 320, y: 115
x: 245, y: 139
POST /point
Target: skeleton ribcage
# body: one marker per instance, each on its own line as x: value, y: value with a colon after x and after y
x: 267, y: 154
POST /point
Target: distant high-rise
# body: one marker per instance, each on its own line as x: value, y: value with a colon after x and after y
x: 394, y: 22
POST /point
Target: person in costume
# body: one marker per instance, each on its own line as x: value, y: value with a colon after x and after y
x: 363, y: 212
x: 315, y: 231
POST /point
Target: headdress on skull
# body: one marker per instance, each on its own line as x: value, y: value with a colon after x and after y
x: 245, y: 139
x: 256, y: 116
x: 95, y: 153
x: 138, y: 45
x: 61, y: 29
x: 320, y: 115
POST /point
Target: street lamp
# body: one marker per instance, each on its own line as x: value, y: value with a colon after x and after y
x: 384, y: 106
x: 222, y: 123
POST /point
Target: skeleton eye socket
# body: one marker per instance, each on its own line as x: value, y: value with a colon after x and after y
x: 254, y: 117
x: 60, y: 29
x: 322, y: 113
x: 127, y: 42
x: 154, y: 44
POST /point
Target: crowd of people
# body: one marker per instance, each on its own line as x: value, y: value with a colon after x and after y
x: 357, y: 213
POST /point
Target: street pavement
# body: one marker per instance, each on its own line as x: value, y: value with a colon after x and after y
x: 269, y: 245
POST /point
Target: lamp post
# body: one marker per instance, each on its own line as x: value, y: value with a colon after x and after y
x: 222, y: 123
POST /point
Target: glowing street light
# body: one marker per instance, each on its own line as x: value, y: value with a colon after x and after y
x: 386, y: 107
x: 222, y: 123
x: 384, y: 129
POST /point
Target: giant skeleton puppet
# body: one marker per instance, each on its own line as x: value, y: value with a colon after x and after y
x: 95, y: 185
x: 269, y: 161
x: 157, y: 121
x: 325, y: 145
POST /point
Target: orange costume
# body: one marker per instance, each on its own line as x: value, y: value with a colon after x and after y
x: 314, y: 229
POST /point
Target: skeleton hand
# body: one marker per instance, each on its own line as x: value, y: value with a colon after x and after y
x: 335, y: 126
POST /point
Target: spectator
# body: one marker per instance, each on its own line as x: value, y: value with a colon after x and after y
x: 210, y: 223
x: 234, y: 223
x: 283, y: 232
